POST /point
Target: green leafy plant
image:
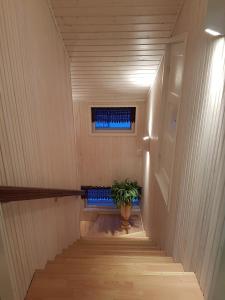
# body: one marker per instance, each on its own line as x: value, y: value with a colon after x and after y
x: 124, y: 192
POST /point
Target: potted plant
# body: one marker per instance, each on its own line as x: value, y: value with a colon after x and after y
x: 123, y: 194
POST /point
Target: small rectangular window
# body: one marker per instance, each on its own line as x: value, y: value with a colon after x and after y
x: 102, y: 197
x: 113, y: 119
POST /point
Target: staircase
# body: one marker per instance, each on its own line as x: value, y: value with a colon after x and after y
x: 114, y: 269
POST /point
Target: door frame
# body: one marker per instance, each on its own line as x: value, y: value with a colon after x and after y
x: 181, y: 38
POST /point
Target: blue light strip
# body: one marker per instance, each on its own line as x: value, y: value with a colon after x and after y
x: 113, y: 125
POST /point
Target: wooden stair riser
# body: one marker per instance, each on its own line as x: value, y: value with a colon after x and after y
x: 114, y: 260
x: 84, y: 252
x: 113, y: 269
x: 115, y: 239
x: 114, y: 247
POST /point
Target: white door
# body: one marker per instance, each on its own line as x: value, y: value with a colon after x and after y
x: 170, y: 110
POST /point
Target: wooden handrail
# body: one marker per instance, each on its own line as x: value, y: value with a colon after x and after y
x: 12, y: 193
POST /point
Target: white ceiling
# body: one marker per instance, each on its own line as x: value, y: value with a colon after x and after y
x: 115, y: 46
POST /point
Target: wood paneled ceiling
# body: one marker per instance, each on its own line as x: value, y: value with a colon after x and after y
x: 115, y: 46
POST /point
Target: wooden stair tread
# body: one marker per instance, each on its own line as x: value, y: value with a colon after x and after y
x: 122, y: 245
x: 184, y: 276
x: 91, y: 252
x: 142, y: 269
x: 113, y: 269
x: 160, y: 286
x: 114, y: 239
x: 112, y: 259
x: 114, y: 246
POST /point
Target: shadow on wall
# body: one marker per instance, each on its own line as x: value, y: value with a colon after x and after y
x: 146, y: 192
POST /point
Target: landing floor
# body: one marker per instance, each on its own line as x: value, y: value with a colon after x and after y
x: 108, y: 225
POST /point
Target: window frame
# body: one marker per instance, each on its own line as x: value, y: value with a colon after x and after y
x: 112, y: 132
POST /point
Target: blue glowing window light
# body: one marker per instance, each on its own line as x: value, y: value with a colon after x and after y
x: 113, y: 125
x: 113, y: 118
x: 102, y: 197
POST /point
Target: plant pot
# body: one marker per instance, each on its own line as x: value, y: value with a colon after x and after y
x: 125, y: 211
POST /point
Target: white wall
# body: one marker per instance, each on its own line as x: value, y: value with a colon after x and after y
x: 152, y: 126
x: 37, y: 142
x: 106, y: 158
x: 191, y: 229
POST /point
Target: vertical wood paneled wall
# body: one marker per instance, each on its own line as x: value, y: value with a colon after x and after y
x: 192, y: 229
x: 106, y: 158
x: 33, y: 232
x: 36, y: 132
x: 199, y: 187
x: 37, y: 140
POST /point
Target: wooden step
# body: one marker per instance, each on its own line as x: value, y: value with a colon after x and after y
x: 119, y: 241
x: 113, y: 259
x: 113, y: 246
x: 158, y: 286
x: 118, y: 244
x: 135, y: 269
x: 120, y: 252
x: 113, y: 269
x: 115, y: 239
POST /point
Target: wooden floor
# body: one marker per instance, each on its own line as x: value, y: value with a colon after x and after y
x: 114, y: 269
x: 109, y: 225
